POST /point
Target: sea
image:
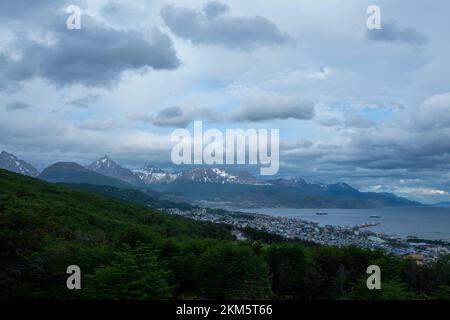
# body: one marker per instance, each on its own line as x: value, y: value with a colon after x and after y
x: 427, y: 222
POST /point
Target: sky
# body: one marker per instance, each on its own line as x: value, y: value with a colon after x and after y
x: 366, y: 107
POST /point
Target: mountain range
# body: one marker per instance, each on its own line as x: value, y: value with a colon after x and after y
x: 237, y: 189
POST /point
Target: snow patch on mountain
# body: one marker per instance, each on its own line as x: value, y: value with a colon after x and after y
x: 11, y: 163
x: 216, y: 175
x: 149, y: 174
x: 106, y: 166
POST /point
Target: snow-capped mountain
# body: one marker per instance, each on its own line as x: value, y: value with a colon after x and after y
x: 215, y: 175
x: 11, y: 163
x: 149, y: 174
x: 107, y: 167
x: 210, y: 184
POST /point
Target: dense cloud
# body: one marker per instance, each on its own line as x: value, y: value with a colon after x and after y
x: 412, y: 144
x: 172, y: 117
x: 11, y: 10
x: 13, y: 106
x: 213, y: 9
x: 391, y: 32
x: 95, y: 55
x: 434, y: 113
x: 84, y: 102
x: 95, y: 125
x: 213, y: 26
x: 263, y: 106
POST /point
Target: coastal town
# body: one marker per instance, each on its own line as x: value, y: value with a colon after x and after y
x: 422, y: 252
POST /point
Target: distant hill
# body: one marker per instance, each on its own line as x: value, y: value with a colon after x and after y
x: 70, y: 172
x: 443, y: 204
x: 282, y: 194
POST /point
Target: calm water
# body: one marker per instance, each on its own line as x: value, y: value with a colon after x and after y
x: 431, y: 223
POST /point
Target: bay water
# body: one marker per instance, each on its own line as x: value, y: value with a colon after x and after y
x: 427, y: 222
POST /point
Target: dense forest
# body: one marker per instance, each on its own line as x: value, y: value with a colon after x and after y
x: 128, y: 251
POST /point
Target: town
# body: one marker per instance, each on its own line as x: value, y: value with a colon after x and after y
x: 423, y: 252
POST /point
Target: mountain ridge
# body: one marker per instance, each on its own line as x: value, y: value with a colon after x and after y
x: 11, y: 163
x: 108, y: 167
x: 71, y: 172
x: 219, y: 185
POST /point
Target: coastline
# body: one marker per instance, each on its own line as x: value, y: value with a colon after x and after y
x: 294, y: 228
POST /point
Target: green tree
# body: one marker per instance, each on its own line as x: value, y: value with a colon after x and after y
x: 287, y: 264
x: 443, y: 293
x: 231, y: 271
x: 390, y: 290
x: 133, y: 274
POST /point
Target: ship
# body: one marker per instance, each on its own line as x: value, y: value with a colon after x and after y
x: 321, y: 213
x: 375, y: 216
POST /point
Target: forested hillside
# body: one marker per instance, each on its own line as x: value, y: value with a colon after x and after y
x: 127, y: 251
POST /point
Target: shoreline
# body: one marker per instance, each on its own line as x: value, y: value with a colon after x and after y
x: 380, y: 218
x: 297, y: 228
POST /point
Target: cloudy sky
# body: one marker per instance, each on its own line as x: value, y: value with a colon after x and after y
x: 371, y: 108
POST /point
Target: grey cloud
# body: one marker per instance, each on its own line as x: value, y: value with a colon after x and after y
x: 328, y: 120
x: 356, y: 120
x: 176, y: 116
x: 391, y: 32
x: 434, y: 113
x: 115, y: 9
x: 262, y: 106
x: 213, y: 26
x: 213, y: 9
x: 85, y: 102
x: 416, y: 148
x: 350, y: 119
x: 51, y: 139
x: 93, y: 56
x: 126, y: 14
x: 173, y: 116
x: 13, y: 106
x: 95, y: 125
x: 10, y: 10
x: 386, y: 148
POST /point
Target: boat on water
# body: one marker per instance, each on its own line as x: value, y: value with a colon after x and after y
x: 321, y: 213
x: 375, y: 216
